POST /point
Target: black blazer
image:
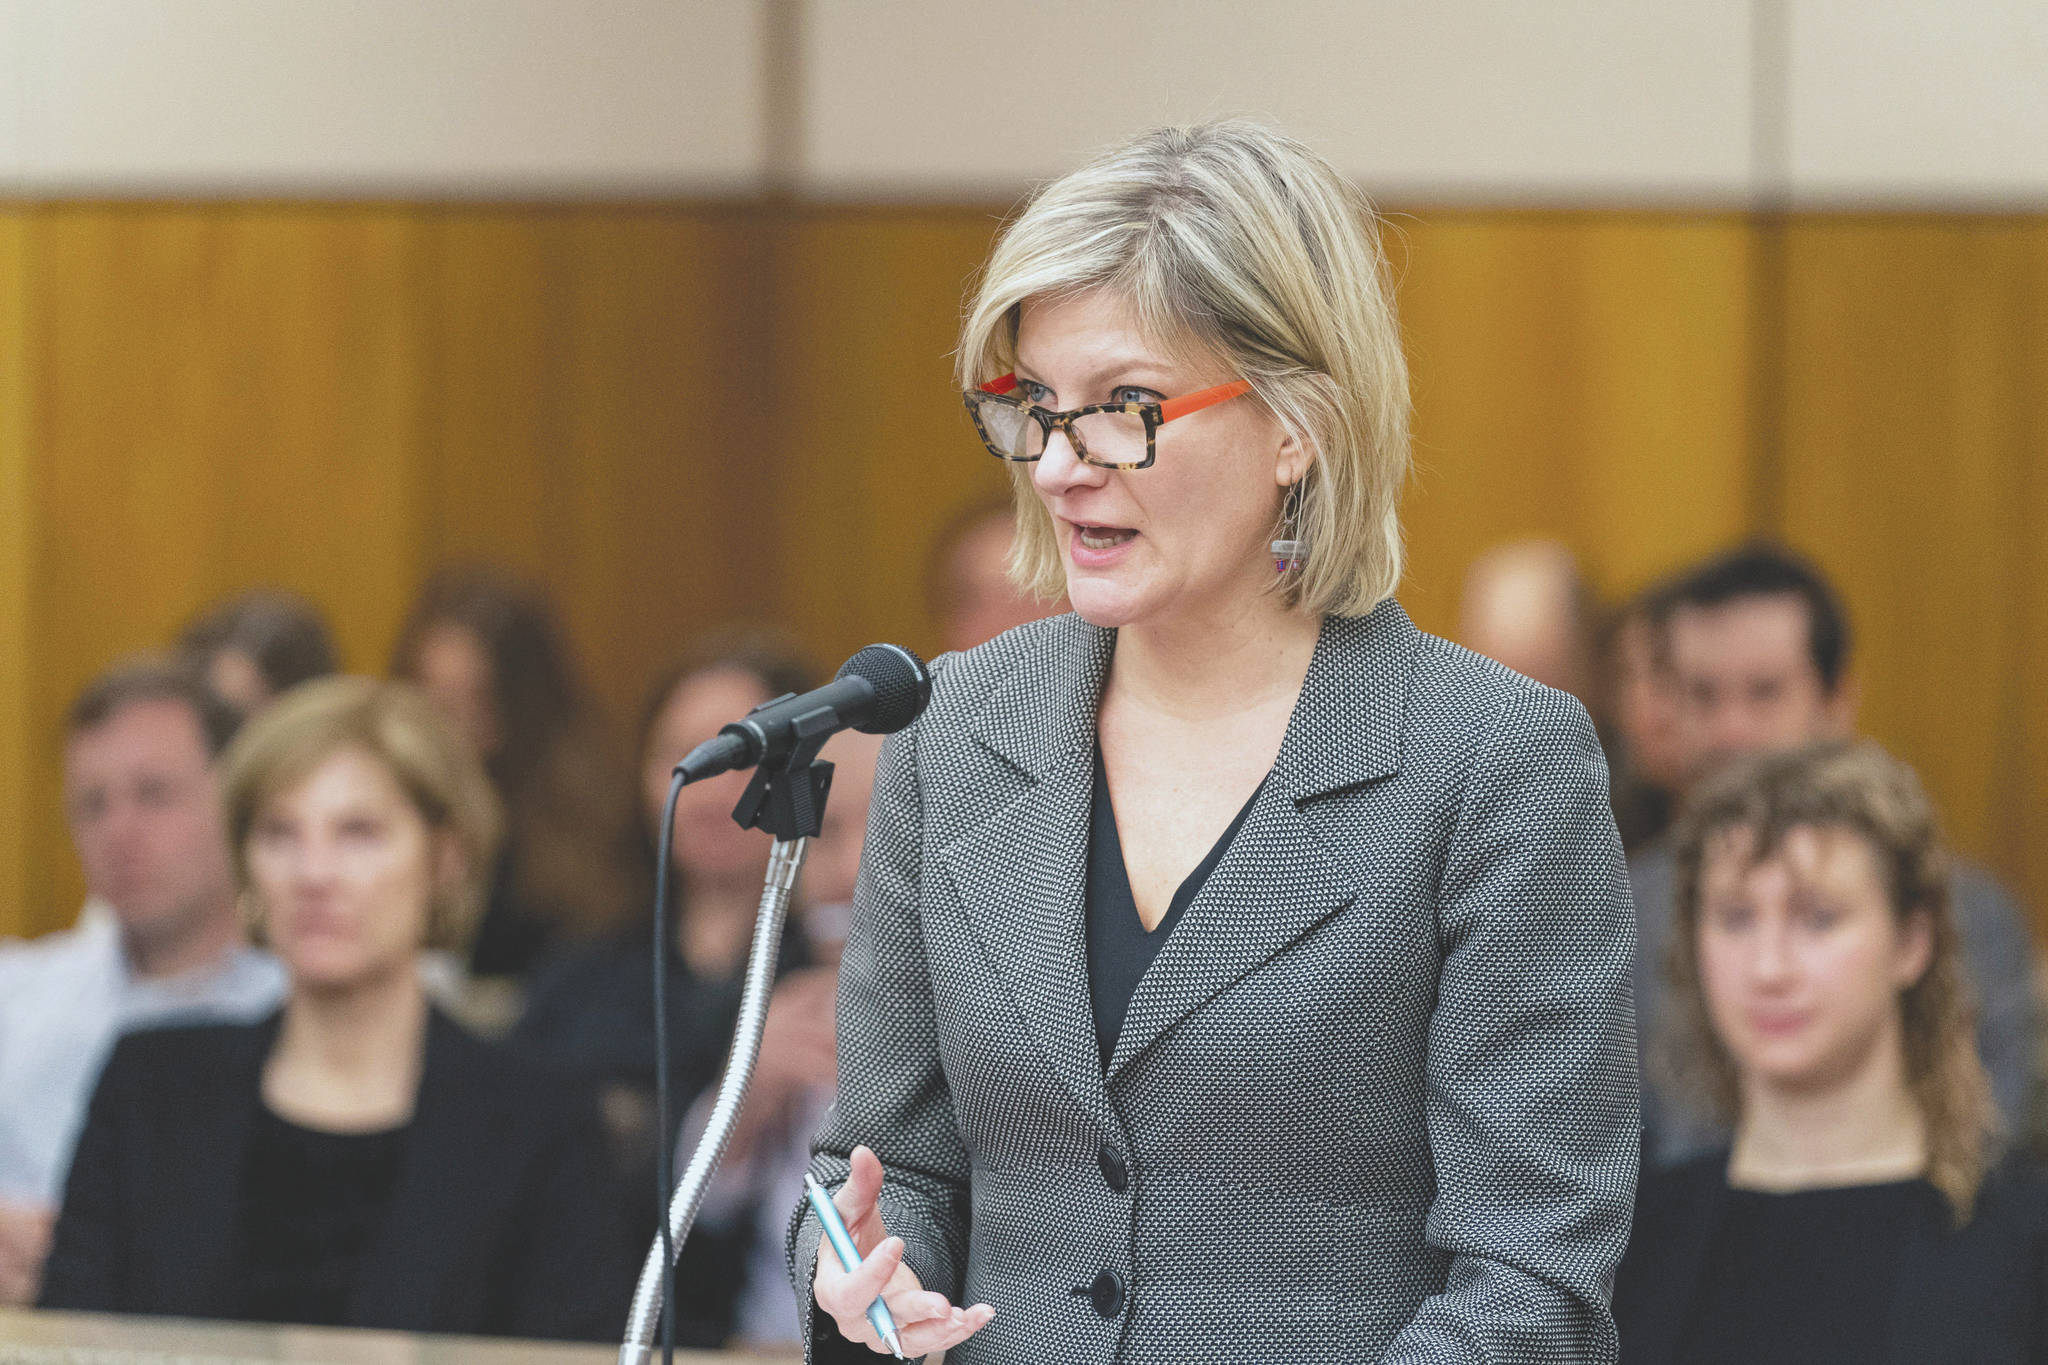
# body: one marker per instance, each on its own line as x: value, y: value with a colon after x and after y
x: 1971, y: 1296
x: 503, y: 1221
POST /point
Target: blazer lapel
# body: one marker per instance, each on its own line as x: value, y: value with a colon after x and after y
x: 200, y: 1200
x: 1275, y: 884
x: 1279, y: 880
x: 1021, y: 874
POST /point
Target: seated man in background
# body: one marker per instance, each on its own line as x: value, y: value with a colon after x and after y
x: 159, y: 939
x: 1758, y: 644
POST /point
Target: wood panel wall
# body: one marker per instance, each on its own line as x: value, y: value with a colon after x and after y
x: 676, y: 415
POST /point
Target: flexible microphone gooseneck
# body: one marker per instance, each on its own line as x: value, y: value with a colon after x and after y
x: 880, y: 690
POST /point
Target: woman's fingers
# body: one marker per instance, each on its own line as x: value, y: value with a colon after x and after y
x: 913, y: 1305
x: 944, y: 1333
x: 925, y: 1321
x: 846, y: 1296
x: 858, y: 1199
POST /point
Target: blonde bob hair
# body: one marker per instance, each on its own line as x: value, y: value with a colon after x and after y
x: 1232, y: 240
x: 1858, y: 787
x: 396, y: 725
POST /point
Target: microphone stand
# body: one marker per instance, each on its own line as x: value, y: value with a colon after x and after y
x: 788, y: 803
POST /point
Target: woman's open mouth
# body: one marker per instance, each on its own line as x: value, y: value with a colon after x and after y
x: 1103, y: 537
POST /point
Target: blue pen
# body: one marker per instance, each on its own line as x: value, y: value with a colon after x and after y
x: 849, y: 1258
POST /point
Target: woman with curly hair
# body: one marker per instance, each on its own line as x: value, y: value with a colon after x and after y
x: 1861, y: 1213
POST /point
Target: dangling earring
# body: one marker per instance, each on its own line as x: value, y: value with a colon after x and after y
x: 1290, y: 551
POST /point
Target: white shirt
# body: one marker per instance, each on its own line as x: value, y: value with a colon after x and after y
x: 64, y: 1000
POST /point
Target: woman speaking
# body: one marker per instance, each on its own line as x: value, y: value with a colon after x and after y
x: 1237, y: 973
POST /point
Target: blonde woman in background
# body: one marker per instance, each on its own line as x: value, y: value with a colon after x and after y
x: 1821, y: 1003
x: 356, y: 1159
x: 1236, y: 972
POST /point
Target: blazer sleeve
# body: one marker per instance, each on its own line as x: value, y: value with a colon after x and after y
x: 893, y: 1095
x: 84, y: 1270
x: 1531, y: 1083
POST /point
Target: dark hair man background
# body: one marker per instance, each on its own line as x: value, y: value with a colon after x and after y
x: 1758, y: 645
x: 256, y: 644
x: 157, y: 941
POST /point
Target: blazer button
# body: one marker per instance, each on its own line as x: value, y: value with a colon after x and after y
x: 1107, y: 1293
x: 1114, y: 1172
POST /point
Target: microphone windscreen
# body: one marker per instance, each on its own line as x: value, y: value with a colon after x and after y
x: 902, y: 686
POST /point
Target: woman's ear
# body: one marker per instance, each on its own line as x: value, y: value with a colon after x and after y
x: 1915, y: 949
x: 1291, y: 462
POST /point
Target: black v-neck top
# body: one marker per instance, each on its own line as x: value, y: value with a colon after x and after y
x: 314, y: 1205
x: 1119, y: 946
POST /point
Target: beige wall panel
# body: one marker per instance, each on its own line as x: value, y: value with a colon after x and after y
x: 251, y: 96
x: 223, y: 398
x: 676, y: 415
x: 2019, y: 826
x: 1575, y: 376
x: 937, y: 98
x: 1913, y: 433
x: 601, y: 420
x: 15, y: 48
x: 1919, y: 103
x: 876, y: 449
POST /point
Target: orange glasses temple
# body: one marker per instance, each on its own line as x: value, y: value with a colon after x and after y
x: 1170, y: 409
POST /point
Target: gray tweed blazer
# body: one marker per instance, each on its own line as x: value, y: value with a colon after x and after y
x: 1374, y: 1100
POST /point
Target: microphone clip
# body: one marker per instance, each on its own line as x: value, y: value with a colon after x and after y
x: 788, y: 800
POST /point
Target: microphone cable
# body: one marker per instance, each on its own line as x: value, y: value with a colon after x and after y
x: 664, y: 1160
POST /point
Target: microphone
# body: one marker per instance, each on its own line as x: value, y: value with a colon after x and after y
x: 878, y: 692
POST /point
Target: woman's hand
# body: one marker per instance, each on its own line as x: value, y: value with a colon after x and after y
x: 925, y: 1321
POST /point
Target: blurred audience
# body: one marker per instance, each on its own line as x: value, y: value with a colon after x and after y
x: 592, y: 1009
x: 1526, y: 605
x: 1639, y: 721
x: 257, y: 644
x: 356, y: 1159
x: 967, y: 578
x: 487, y: 649
x: 1821, y: 1001
x: 747, y: 1208
x: 1759, y: 647
x: 1840, y: 1010
x: 158, y: 939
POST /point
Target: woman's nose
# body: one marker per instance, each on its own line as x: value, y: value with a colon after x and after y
x: 1060, y: 469
x: 1772, y: 955
x: 314, y: 862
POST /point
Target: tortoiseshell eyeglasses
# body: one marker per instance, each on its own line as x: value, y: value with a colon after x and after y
x: 1107, y: 435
